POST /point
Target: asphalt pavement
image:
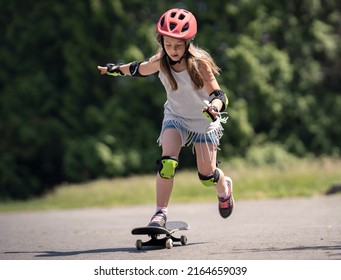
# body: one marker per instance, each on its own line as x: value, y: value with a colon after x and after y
x: 278, y: 229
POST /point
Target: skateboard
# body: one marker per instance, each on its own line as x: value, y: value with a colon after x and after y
x: 154, y: 232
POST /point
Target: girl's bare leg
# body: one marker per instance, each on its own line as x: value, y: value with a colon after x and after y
x: 207, y: 165
x: 171, y: 146
x: 206, y: 156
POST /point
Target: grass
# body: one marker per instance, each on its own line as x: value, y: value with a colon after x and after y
x: 299, y: 178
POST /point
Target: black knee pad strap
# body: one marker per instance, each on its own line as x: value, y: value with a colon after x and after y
x: 210, y: 180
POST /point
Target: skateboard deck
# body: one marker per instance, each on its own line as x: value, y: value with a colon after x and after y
x: 154, y: 232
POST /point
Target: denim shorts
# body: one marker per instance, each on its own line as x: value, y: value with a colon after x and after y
x: 193, y: 137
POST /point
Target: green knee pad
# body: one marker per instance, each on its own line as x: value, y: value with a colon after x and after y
x: 210, y: 180
x: 167, y: 166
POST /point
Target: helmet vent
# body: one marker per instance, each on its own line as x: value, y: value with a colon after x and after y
x: 181, y: 17
x: 185, y: 28
x: 172, y: 15
x: 162, y: 21
x: 172, y: 26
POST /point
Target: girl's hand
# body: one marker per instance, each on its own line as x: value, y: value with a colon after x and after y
x: 103, y: 69
x: 211, y: 113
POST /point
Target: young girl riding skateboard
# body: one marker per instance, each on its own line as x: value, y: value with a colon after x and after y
x: 192, y: 112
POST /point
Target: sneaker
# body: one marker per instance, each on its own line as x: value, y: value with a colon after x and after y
x: 226, y: 204
x: 158, y: 220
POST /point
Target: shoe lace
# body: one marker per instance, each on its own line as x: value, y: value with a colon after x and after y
x: 159, y: 218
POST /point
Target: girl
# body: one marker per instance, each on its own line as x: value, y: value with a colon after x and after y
x: 192, y: 112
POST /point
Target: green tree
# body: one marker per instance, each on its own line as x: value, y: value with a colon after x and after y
x: 60, y: 121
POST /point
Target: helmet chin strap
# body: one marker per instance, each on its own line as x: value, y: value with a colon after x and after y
x: 173, y: 62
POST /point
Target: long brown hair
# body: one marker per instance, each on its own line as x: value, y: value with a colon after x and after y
x: 197, y: 59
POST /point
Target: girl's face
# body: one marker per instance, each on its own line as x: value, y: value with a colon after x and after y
x: 175, y: 48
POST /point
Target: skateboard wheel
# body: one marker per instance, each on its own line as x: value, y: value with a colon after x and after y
x: 139, y: 244
x: 183, y: 240
x: 169, y: 243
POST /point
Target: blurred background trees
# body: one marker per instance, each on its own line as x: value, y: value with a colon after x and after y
x: 60, y: 121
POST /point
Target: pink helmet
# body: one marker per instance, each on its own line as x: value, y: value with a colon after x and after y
x: 177, y: 23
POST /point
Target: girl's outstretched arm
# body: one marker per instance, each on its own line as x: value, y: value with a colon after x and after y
x: 135, y: 68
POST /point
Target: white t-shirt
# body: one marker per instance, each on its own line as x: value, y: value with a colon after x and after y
x: 184, y: 109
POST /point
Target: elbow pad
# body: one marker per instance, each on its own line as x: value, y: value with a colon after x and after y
x: 134, y: 69
x: 219, y: 94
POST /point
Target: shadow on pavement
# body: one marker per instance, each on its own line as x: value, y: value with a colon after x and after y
x: 334, y: 250
x: 43, y: 254
x: 50, y: 254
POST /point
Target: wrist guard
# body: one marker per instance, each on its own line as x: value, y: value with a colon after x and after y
x: 114, y: 70
x: 208, y: 114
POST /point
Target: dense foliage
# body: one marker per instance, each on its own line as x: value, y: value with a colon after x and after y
x: 60, y: 121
